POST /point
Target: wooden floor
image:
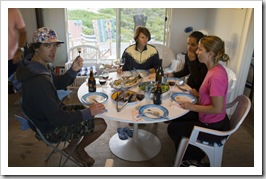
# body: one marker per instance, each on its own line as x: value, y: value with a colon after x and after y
x: 24, y: 150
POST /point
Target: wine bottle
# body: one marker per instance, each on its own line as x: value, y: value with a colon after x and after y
x: 157, y: 97
x: 159, y: 72
x: 92, y: 82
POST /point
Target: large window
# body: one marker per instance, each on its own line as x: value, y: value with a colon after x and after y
x: 99, y: 27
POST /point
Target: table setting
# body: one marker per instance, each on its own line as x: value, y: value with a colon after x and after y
x: 134, y: 104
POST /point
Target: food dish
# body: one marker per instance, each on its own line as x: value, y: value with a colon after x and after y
x: 88, y: 98
x: 124, y: 95
x: 179, y: 97
x: 157, y: 110
x: 165, y: 87
x: 126, y: 82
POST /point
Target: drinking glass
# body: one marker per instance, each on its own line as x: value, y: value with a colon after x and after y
x: 171, y: 83
x: 122, y: 63
x: 105, y: 75
x: 140, y: 96
x: 102, y: 82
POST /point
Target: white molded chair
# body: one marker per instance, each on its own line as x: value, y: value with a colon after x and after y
x: 214, y: 151
x: 90, y: 55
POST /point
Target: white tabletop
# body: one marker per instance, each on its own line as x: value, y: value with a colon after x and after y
x: 126, y: 114
x: 143, y: 145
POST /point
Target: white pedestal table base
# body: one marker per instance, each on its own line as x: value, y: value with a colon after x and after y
x: 143, y: 147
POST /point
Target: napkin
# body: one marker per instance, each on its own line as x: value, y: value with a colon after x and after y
x: 174, y: 105
x: 135, y: 113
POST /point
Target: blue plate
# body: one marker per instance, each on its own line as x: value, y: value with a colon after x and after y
x: 179, y: 96
x: 160, y: 110
x: 100, y: 97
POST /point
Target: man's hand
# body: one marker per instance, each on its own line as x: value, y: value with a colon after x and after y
x: 97, y: 108
x: 77, y: 63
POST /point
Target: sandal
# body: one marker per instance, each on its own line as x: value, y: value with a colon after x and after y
x: 129, y: 132
x: 122, y: 134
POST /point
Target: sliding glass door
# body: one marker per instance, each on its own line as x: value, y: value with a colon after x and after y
x: 111, y: 30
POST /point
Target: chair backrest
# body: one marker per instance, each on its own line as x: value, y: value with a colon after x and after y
x: 165, y: 53
x: 242, y: 108
x: 88, y: 53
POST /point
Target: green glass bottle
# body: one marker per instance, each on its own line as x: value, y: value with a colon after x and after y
x: 92, y: 82
x: 157, y: 98
x: 159, y: 72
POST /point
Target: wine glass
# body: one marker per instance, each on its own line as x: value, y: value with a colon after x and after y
x: 102, y: 81
x: 105, y: 74
x: 122, y: 63
x: 79, y: 50
x: 171, y: 83
x: 140, y: 96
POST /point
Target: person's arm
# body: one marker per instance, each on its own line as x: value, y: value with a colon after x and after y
x: 216, y: 106
x: 184, y: 71
x: 21, y: 44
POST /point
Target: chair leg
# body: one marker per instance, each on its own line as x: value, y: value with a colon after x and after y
x: 218, y: 156
x: 54, y: 150
x: 69, y: 156
x: 181, y: 151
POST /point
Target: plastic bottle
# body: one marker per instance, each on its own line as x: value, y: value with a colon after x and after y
x: 159, y: 72
x: 157, y: 98
x: 92, y: 82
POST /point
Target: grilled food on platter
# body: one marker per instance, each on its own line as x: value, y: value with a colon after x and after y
x: 126, y: 82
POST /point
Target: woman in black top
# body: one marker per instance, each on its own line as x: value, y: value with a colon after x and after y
x: 192, y: 67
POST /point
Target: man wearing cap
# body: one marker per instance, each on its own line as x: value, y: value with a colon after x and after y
x: 40, y: 101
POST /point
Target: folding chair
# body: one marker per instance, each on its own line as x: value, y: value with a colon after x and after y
x: 25, y: 125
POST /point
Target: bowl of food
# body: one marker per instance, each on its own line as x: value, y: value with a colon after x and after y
x: 153, y: 84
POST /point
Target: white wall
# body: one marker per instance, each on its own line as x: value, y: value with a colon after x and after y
x: 29, y: 18
x: 55, y: 19
x: 182, y: 18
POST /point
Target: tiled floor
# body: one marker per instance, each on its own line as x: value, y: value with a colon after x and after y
x: 24, y: 150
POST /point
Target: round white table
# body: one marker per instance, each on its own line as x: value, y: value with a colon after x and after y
x: 143, y: 145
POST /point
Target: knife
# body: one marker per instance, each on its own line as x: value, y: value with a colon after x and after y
x: 152, y: 113
x: 105, y: 110
x: 182, y: 89
x: 119, y: 109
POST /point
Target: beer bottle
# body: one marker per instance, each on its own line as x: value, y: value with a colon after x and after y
x: 157, y: 98
x: 92, y: 82
x: 159, y: 72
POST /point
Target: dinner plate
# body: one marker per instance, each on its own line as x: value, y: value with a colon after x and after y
x: 125, y: 94
x: 179, y: 96
x: 89, y: 98
x: 160, y: 110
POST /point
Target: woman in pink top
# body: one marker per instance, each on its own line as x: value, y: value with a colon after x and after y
x: 210, y: 112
